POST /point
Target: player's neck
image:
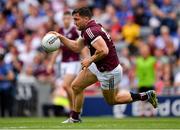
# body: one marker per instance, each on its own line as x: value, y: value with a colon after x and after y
x: 67, y: 27
x: 90, y: 20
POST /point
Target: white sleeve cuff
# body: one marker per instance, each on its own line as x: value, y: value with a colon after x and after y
x: 95, y: 39
x: 80, y: 37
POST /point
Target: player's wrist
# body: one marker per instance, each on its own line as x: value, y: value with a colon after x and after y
x: 91, y: 59
x: 60, y: 37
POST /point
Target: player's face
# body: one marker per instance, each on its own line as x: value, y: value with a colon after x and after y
x: 144, y: 50
x: 79, y: 21
x: 67, y: 20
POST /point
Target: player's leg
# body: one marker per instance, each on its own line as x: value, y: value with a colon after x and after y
x: 116, y: 96
x: 113, y: 95
x: 69, y: 70
x: 67, y: 80
x: 83, y: 80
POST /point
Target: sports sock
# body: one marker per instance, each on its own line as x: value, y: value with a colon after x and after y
x: 139, y: 96
x: 75, y: 115
x: 144, y: 96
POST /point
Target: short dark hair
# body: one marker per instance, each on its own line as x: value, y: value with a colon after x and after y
x: 67, y: 13
x: 83, y: 11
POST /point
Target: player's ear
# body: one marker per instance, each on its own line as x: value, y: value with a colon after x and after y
x: 87, y: 18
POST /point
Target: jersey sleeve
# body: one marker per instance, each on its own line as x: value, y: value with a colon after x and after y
x: 92, y: 35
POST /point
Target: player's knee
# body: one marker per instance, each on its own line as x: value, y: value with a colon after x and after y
x: 66, y: 87
x: 76, y: 88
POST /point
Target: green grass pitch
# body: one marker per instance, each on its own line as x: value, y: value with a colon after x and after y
x: 91, y: 123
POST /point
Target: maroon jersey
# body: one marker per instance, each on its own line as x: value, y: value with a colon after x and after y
x: 92, y: 32
x: 67, y: 54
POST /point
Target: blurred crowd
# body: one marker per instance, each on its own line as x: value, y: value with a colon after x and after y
x: 146, y: 34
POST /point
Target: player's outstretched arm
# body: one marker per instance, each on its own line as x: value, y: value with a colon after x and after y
x: 74, y: 45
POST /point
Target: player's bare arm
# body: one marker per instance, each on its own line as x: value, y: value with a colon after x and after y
x: 85, y: 53
x: 101, y: 51
x: 74, y: 45
x: 52, y: 61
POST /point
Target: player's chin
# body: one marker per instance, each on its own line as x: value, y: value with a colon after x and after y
x: 79, y: 28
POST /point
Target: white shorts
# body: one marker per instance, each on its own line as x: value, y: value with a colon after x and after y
x: 70, y: 68
x: 108, y: 79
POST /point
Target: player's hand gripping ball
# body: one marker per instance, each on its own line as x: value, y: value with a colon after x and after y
x: 50, y: 42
